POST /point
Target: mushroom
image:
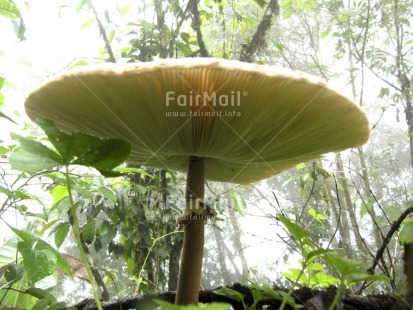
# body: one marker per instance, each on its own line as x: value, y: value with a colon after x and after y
x: 214, y: 119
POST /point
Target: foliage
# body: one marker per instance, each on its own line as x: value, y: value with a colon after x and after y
x: 343, y: 206
x: 259, y: 294
x: 312, y: 274
x: 9, y: 10
x: 211, y: 306
x: 38, y: 257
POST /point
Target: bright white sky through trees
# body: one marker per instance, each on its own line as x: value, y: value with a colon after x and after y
x: 52, y: 44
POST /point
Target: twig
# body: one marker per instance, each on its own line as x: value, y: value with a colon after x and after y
x: 196, y: 24
x: 177, y: 30
x: 393, y: 229
x: 103, y: 34
x: 259, y: 41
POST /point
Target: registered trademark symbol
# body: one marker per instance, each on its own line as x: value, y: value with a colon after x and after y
x: 245, y: 93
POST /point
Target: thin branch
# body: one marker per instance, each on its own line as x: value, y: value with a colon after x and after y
x: 177, y: 30
x: 196, y: 25
x: 259, y: 39
x: 393, y: 229
x: 103, y: 34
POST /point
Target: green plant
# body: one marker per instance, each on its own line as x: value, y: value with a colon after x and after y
x: 347, y: 272
x: 69, y: 150
x: 212, y: 306
x: 350, y: 272
x: 259, y: 294
x: 140, y: 279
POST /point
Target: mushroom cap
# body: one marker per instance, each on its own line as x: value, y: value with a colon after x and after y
x: 248, y: 121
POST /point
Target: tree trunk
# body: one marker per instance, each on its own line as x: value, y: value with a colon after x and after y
x: 343, y: 225
x: 368, y: 196
x: 236, y: 237
x: 347, y: 203
x: 173, y: 240
x: 221, y: 256
x: 403, y: 72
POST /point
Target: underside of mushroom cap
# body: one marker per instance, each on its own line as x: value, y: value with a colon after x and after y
x: 248, y: 121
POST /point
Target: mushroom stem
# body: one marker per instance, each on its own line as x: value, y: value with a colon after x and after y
x: 193, y: 249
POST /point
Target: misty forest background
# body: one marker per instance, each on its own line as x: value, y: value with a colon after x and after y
x: 356, y: 203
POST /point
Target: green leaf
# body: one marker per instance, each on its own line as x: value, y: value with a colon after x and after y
x: 41, y: 304
x: 265, y: 293
x: 38, y: 263
x: 298, y: 232
x: 239, y: 202
x: 79, y: 63
x: 342, y: 17
x: 22, y: 195
x: 60, y: 233
x: 9, y: 9
x: 25, y: 161
x: 125, y: 9
x: 86, y: 150
x: 261, y: 3
x: 6, y: 117
x: 317, y: 216
x: 108, y: 173
x: 21, y: 30
x: 98, y: 153
x: 61, y: 262
x: 7, y: 192
x: 40, y: 294
x: 184, y: 48
x: 107, y: 231
x: 4, y: 150
x: 57, y: 306
x: 35, y: 147
x: 88, y: 231
x: 212, y: 306
x: 140, y: 189
x: 344, y: 266
x: 324, y: 34
x: 60, y: 140
x: 300, y: 166
x: 230, y: 293
x: 25, y: 236
x: 106, y: 192
x: 8, y: 251
x: 288, y: 12
x: 29, y: 240
x: 87, y: 23
x: 16, y: 299
x: 316, y: 254
x: 364, y: 277
x: 59, y: 192
x: 49, y: 224
x: 13, y: 273
x: 295, y: 275
x: 279, y: 46
x: 406, y: 233
x: 393, y: 212
x: 33, y: 155
x: 384, y: 92
x: 324, y: 279
x: 316, y: 266
x: 170, y: 306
